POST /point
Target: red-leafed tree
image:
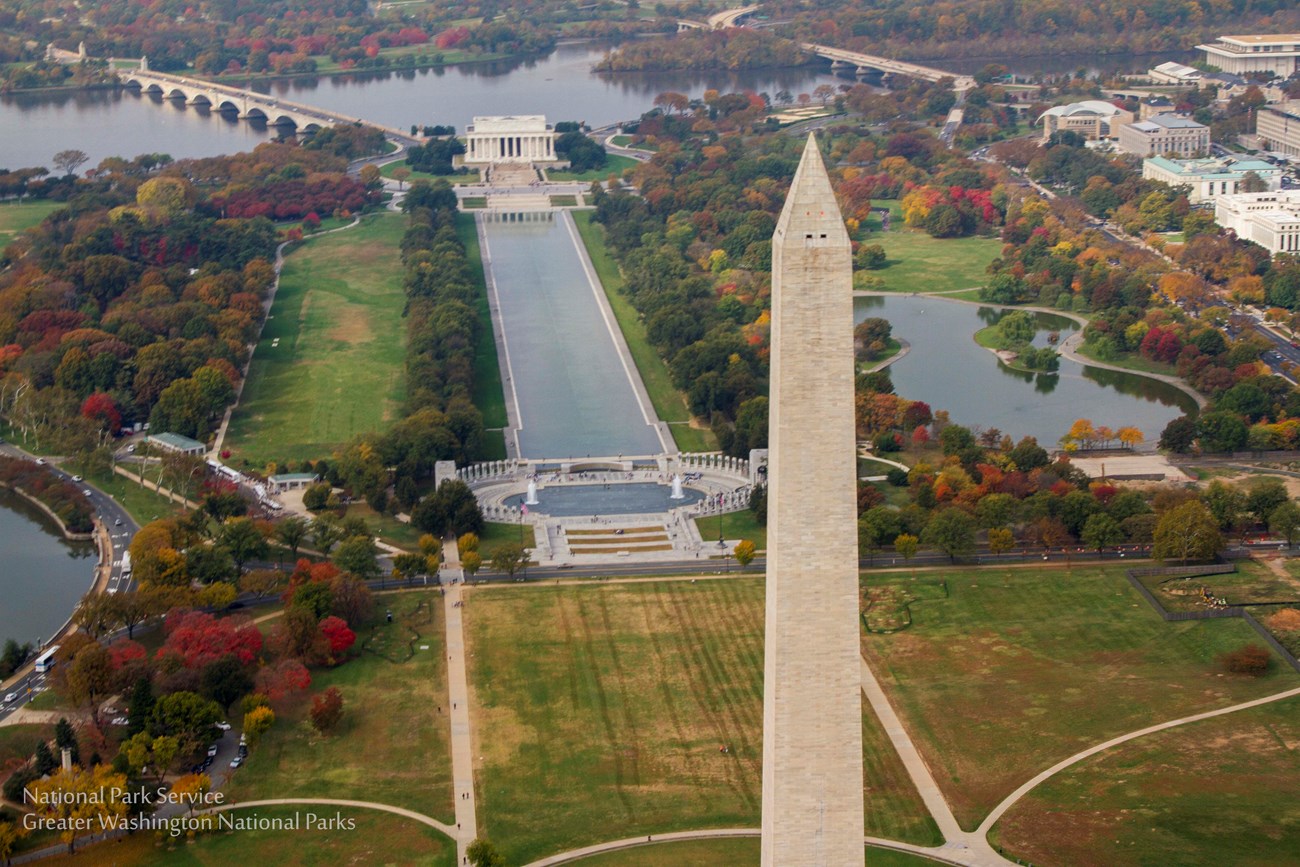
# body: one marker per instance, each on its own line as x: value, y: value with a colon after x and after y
x: 339, y: 636
x: 125, y: 651
x: 198, y: 639
x: 99, y: 407
x: 283, y: 681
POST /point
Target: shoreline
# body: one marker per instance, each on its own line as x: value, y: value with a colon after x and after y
x: 67, y: 534
x: 1067, y: 345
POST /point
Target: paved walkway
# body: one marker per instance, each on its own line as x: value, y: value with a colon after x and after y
x: 961, y: 847
x: 987, y: 825
x: 336, y: 802
x: 462, y: 738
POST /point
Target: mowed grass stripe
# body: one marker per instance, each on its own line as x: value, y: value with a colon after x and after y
x: 338, y: 369
x: 489, y: 396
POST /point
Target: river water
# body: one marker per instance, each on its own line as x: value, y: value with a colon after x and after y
x: 33, y: 126
x: 41, y: 573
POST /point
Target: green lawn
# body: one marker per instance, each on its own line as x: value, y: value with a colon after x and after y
x: 337, y: 368
x: 668, y: 401
x: 600, y: 710
x: 376, y: 838
x: 615, y: 164
x: 143, y: 504
x: 735, y: 525
x: 391, y: 716
x: 15, y: 217
x: 387, y: 169
x: 1017, y: 669
x: 18, y: 742
x: 915, y: 262
x: 1253, y: 583
x: 1187, y: 796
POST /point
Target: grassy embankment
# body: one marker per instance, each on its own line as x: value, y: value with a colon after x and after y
x: 1017, y: 669
x: 667, y: 400
x: 601, y: 711
x: 916, y: 262
x: 329, y: 365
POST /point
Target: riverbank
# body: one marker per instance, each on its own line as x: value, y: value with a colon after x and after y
x: 50, y: 513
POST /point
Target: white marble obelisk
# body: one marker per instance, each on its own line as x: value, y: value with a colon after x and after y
x: 812, y: 699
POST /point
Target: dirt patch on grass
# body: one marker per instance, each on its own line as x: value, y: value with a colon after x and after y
x: 353, y: 325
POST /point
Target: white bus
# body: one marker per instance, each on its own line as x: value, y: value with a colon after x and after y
x: 126, y: 564
x: 45, y: 661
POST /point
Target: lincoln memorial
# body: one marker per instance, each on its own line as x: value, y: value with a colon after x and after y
x: 509, y: 139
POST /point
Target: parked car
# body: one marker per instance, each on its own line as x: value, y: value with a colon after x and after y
x: 224, y: 726
x: 212, y: 751
x: 236, y: 761
x: 77, y: 479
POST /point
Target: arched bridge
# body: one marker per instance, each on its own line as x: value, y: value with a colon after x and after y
x: 246, y: 103
x: 866, y: 63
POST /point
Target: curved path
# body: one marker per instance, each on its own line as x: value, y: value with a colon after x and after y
x: 935, y: 853
x: 337, y: 802
x: 987, y: 825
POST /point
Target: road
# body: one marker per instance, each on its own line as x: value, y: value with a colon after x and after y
x: 121, y: 528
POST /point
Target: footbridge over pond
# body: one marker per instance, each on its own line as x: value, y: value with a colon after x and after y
x: 246, y: 104
x: 867, y: 64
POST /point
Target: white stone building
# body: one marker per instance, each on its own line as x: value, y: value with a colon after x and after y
x: 1093, y: 119
x: 1208, y: 179
x: 509, y: 139
x: 1271, y: 219
x: 1242, y: 55
x: 1175, y: 73
x: 1278, y: 128
x: 1163, y: 134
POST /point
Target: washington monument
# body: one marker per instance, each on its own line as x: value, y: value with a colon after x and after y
x: 812, y: 699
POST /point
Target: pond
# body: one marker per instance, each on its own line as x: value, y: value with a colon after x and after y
x: 612, y: 499
x: 43, y: 574
x: 948, y: 370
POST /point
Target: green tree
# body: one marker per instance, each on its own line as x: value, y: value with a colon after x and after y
x: 1101, y: 531
x: 242, y: 538
x: 452, y: 508
x: 509, y: 558
x: 1187, y: 532
x: 1000, y: 539
x: 482, y: 853
x: 1285, y: 522
x: 1264, y: 496
x: 951, y: 531
x: 906, y: 545
x: 1178, y: 435
x: 359, y: 556
x: 1226, y: 502
x: 292, y: 532
x: 187, y: 716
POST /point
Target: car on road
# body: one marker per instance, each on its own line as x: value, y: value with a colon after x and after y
x: 117, y: 522
x: 11, y: 698
x: 87, y: 492
x: 212, y: 750
x: 78, y: 479
x: 236, y: 761
x: 121, y: 721
x: 40, y: 462
x: 224, y: 726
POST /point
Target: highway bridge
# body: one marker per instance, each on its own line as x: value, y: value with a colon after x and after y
x: 869, y: 63
x: 719, y: 21
x: 245, y: 103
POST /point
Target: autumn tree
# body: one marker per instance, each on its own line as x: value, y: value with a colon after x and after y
x: 327, y: 710
x: 744, y: 552
x: 1000, y: 539
x: 339, y: 637
x: 951, y: 531
x: 258, y: 722
x: 1284, y: 521
x: 71, y: 798
x: 1187, y: 532
x: 69, y: 161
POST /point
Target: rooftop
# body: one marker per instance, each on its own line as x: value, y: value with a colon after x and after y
x: 1088, y: 106
x: 1166, y: 121
x: 1264, y: 39
x: 176, y: 441
x: 1213, y: 167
